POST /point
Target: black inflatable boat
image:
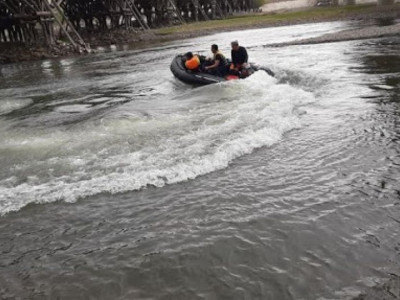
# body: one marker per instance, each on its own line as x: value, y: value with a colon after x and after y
x: 200, y: 78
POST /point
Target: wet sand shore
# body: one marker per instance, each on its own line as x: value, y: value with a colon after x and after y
x: 370, y: 15
x: 368, y: 32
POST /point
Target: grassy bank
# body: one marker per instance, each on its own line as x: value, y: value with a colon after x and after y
x: 286, y: 18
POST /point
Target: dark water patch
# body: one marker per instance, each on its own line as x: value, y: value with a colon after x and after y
x: 382, y: 64
x: 387, y: 290
x: 386, y: 63
x: 387, y: 21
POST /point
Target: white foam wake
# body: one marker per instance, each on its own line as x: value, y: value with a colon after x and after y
x: 216, y: 125
x: 7, y: 106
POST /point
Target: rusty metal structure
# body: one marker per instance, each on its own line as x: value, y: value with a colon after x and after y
x: 46, y: 21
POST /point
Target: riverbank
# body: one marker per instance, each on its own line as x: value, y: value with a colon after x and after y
x: 118, y: 182
x: 18, y: 53
x: 140, y: 39
x: 313, y: 15
x: 368, y: 32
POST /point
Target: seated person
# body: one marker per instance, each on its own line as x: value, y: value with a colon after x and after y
x: 239, y: 59
x: 219, y: 64
x: 192, y: 62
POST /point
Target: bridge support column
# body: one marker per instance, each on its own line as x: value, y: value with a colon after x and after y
x: 213, y: 9
x: 196, y: 9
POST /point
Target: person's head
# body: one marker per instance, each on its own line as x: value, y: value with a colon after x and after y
x: 189, y: 55
x: 235, y: 45
x: 214, y: 48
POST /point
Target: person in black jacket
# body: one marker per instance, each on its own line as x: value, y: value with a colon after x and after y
x: 239, y: 58
x: 219, y: 65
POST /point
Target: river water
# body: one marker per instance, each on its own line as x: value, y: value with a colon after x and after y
x: 119, y: 182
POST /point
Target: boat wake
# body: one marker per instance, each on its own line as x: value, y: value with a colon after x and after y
x: 204, y: 131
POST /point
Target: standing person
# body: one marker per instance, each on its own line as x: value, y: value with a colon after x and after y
x: 219, y: 66
x: 239, y: 58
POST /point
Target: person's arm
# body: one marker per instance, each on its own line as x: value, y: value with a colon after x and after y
x: 246, y: 56
x: 216, y: 64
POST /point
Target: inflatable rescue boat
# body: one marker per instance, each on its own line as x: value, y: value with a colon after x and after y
x: 202, y: 78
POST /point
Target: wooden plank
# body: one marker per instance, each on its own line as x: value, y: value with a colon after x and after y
x: 61, y: 25
x: 43, y: 13
x: 177, y: 11
x: 137, y: 14
x: 19, y: 17
x: 61, y: 12
x: 219, y: 9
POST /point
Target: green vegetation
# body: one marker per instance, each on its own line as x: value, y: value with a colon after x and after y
x: 258, y: 20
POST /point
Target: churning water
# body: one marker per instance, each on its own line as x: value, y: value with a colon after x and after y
x: 119, y: 182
